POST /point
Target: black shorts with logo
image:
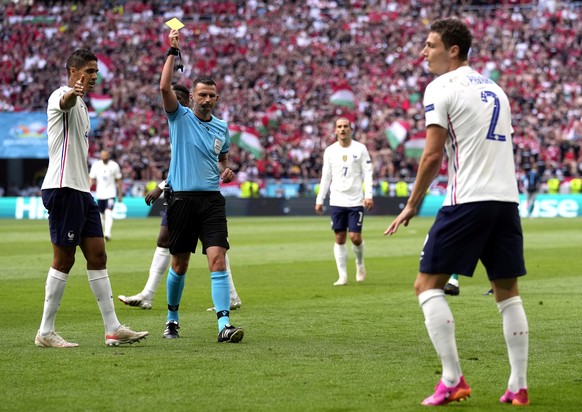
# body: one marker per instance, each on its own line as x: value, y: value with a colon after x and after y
x: 197, y: 215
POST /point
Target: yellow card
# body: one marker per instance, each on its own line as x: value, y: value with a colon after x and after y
x: 175, y: 24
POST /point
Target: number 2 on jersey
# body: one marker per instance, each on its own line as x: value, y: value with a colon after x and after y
x: 494, y: 117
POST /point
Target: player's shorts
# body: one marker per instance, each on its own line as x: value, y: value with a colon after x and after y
x: 72, y: 215
x: 105, y: 204
x: 347, y: 218
x: 197, y: 215
x: 464, y: 234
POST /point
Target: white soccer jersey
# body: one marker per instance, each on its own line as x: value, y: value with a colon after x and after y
x: 344, y: 170
x: 476, y: 113
x: 106, y: 176
x: 68, y: 145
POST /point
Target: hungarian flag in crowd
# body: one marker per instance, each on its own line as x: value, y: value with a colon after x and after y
x: 396, y: 133
x: 343, y: 97
x: 246, y: 138
x: 270, y: 119
x: 414, y: 147
x: 100, y: 102
x: 105, y: 66
x: 272, y: 115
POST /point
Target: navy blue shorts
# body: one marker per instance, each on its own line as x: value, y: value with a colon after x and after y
x: 197, y: 215
x: 464, y: 234
x: 347, y: 218
x: 72, y: 216
x: 105, y: 204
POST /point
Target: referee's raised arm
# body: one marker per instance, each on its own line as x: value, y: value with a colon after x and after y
x: 168, y: 96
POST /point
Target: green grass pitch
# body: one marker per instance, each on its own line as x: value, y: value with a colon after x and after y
x: 308, y: 346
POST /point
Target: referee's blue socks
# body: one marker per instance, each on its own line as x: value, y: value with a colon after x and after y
x: 175, y: 287
x: 221, y: 297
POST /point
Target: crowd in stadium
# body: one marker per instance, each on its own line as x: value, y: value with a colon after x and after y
x: 278, y: 63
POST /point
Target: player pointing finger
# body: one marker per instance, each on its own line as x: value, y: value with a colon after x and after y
x: 79, y: 89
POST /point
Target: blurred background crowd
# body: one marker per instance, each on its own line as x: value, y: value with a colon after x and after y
x: 287, y: 69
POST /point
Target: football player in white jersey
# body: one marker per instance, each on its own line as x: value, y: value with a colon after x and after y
x: 346, y: 167
x: 469, y: 115
x: 73, y: 214
x: 105, y: 174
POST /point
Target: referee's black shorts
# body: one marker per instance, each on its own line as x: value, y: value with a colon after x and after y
x: 197, y: 215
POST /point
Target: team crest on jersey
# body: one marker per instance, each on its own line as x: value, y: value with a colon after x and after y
x: 345, y: 158
x: 217, y: 145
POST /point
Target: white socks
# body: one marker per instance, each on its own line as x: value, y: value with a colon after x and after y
x: 516, y: 332
x: 54, y: 289
x: 159, y: 267
x: 233, y: 294
x: 359, y: 252
x: 440, y: 325
x: 101, y: 287
x: 107, y: 222
x: 341, y: 260
x: 441, y: 329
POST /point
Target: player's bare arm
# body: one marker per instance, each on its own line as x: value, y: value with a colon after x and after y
x: 120, y: 190
x: 428, y: 167
x: 153, y: 195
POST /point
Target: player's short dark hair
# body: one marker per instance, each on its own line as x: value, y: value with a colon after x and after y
x: 79, y: 58
x: 343, y: 118
x: 208, y: 81
x: 454, y: 32
x: 182, y: 94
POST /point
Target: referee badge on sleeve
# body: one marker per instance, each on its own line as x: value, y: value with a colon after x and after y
x: 217, y: 146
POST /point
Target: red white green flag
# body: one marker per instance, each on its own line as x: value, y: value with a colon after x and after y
x: 414, y: 147
x: 396, y: 133
x: 343, y: 97
x: 247, y: 139
x: 105, y: 66
x: 100, y: 102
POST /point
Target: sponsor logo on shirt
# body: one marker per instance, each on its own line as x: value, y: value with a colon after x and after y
x: 429, y: 108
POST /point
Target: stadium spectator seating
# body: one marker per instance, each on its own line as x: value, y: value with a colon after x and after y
x: 278, y: 63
